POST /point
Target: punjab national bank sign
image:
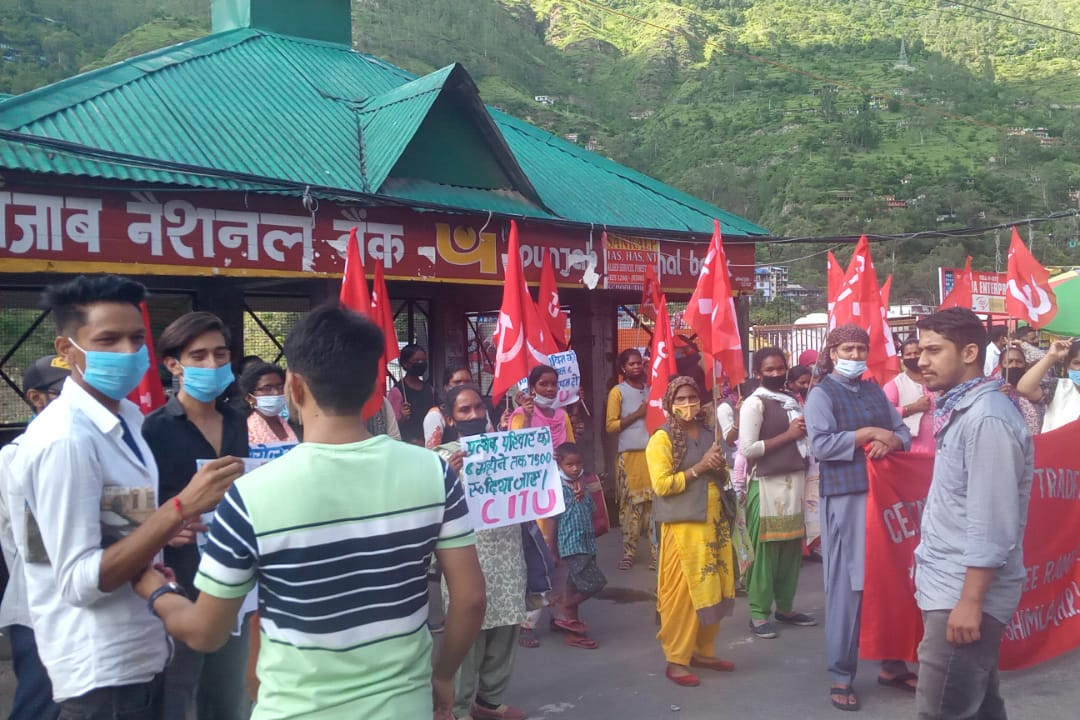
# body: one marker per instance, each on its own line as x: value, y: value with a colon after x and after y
x: 171, y: 233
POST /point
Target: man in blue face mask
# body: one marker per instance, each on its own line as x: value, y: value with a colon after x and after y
x: 847, y: 420
x: 84, y: 485
x: 198, y: 424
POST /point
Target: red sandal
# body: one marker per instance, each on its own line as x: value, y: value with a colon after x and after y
x: 687, y: 680
x: 569, y: 626
x: 580, y: 641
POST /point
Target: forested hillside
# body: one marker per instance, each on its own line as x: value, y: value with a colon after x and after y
x: 813, y: 118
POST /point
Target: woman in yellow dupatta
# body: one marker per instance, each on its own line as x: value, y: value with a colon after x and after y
x: 696, y: 580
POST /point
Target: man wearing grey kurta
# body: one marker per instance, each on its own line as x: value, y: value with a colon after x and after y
x: 847, y: 420
x: 970, y: 563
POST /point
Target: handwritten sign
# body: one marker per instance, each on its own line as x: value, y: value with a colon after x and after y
x: 511, y: 477
x: 566, y: 365
x: 268, y: 451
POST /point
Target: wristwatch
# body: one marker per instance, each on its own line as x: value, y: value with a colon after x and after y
x: 169, y: 587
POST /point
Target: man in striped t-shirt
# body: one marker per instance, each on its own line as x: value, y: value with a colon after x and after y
x: 338, y: 533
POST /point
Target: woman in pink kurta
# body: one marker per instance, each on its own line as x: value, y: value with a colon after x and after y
x: 912, y: 400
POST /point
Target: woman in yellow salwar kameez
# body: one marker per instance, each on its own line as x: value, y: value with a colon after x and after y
x: 696, y: 580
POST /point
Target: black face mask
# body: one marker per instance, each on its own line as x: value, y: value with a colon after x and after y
x: 1012, y: 375
x: 912, y: 364
x: 471, y: 427
x: 418, y: 369
x: 774, y: 382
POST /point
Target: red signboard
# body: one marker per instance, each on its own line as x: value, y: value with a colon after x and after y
x: 237, y: 234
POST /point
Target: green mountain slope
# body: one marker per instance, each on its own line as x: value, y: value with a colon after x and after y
x: 813, y: 118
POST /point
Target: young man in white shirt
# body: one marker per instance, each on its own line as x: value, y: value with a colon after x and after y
x: 90, y: 525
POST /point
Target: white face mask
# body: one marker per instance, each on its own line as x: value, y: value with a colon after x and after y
x: 851, y: 369
x: 270, y: 405
x: 544, y: 402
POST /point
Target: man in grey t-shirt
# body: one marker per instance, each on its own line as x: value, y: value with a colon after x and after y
x: 969, y: 563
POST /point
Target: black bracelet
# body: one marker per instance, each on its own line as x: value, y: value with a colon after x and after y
x: 163, y: 590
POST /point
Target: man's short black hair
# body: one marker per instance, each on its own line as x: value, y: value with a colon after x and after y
x: 997, y: 332
x: 959, y: 326
x: 68, y: 300
x: 1024, y: 331
x: 337, y: 353
x: 185, y: 329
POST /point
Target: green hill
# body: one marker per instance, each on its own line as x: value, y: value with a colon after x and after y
x: 813, y: 118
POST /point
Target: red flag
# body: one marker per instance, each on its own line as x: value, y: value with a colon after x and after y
x: 886, y: 291
x: 547, y: 304
x: 960, y: 295
x: 383, y: 311
x: 149, y: 395
x: 519, y: 337
x: 661, y: 351
x: 354, y: 288
x: 711, y: 312
x: 859, y: 302
x: 836, y: 283
x: 1030, y: 296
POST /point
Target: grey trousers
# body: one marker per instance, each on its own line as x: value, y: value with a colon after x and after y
x: 208, y: 687
x: 843, y: 551
x: 959, y: 682
x: 486, y: 668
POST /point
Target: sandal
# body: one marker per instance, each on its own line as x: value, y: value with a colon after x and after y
x: 652, y: 566
x: 626, y: 563
x: 712, y: 664
x: 569, y: 626
x: 850, y: 699
x: 527, y: 638
x: 580, y: 641
x: 900, y: 682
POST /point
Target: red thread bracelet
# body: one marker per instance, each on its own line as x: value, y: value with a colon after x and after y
x: 179, y: 509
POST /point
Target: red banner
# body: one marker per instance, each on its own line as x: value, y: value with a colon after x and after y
x: 1046, y: 624
x: 204, y: 233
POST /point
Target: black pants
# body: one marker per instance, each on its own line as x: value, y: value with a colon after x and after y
x: 123, y: 702
x: 959, y: 682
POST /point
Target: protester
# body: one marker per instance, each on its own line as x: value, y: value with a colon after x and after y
x: 696, y: 580
x: 1013, y: 367
x: 997, y: 340
x: 487, y: 666
x: 577, y: 545
x: 197, y: 424
x: 799, y: 379
x: 384, y: 422
x: 1062, y: 398
x: 263, y: 386
x: 412, y: 394
x: 337, y: 533
x: 772, y: 437
x: 1026, y: 337
x: 969, y: 565
x: 908, y: 394
x: 89, y: 484
x: 627, y: 404
x: 42, y: 382
x: 435, y: 421
x: 540, y: 410
x: 847, y: 420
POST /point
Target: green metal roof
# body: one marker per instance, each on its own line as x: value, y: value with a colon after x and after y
x: 249, y: 109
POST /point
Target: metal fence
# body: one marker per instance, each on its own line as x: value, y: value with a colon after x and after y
x: 794, y: 339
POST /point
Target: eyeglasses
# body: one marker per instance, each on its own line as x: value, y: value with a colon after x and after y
x: 270, y: 390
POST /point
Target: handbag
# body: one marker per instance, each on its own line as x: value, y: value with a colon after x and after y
x: 600, y: 520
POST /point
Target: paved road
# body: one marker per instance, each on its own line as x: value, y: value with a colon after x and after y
x: 776, y: 679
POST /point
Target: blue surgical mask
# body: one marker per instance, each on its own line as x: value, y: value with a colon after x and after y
x: 851, y: 369
x: 1074, y: 375
x: 205, y: 384
x: 114, y: 374
x: 270, y: 405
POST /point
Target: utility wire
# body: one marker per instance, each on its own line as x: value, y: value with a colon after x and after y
x: 1014, y: 18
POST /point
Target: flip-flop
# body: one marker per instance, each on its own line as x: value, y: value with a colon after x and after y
x: 900, y: 682
x: 527, y: 638
x: 848, y: 694
x: 569, y: 626
x: 580, y: 641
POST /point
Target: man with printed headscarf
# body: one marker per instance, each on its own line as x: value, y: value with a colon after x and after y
x: 849, y: 419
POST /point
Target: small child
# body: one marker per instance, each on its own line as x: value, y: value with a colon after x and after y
x: 577, y: 546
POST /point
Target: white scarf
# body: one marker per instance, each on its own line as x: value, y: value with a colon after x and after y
x: 791, y: 407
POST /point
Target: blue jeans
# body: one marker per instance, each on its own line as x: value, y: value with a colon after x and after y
x: 33, y: 691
